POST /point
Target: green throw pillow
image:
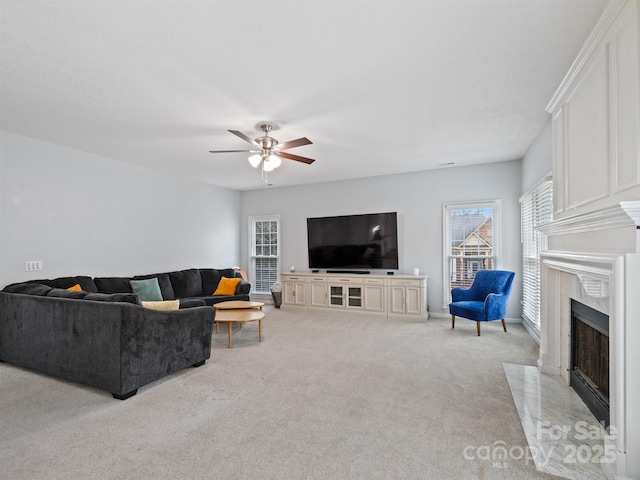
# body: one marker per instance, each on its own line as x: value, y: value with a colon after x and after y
x: 148, y: 290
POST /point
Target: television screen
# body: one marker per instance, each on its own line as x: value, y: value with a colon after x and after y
x: 354, y: 241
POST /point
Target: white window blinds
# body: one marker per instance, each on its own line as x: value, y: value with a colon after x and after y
x: 536, y: 208
x: 265, y: 252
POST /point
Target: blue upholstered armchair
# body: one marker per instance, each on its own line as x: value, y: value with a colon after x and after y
x: 485, y: 300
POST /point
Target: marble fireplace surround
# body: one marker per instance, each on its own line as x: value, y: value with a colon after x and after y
x: 595, y: 259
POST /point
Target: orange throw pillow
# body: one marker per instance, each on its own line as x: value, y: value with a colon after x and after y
x: 227, y: 286
x: 76, y: 287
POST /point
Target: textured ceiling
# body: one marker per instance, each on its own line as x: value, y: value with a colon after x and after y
x: 379, y: 87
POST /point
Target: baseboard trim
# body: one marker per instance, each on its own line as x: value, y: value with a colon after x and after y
x: 534, y: 333
x: 265, y: 298
x: 447, y: 315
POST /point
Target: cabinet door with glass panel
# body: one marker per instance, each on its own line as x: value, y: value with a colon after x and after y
x: 343, y: 295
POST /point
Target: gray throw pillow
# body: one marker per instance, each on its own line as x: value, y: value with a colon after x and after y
x: 148, y: 290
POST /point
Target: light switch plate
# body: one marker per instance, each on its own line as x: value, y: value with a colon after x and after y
x: 32, y: 265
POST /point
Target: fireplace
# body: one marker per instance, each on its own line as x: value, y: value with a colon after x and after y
x: 589, y: 373
x: 593, y: 259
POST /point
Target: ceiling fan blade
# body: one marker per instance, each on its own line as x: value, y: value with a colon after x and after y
x: 244, y: 137
x: 294, y: 143
x: 232, y: 151
x: 297, y: 158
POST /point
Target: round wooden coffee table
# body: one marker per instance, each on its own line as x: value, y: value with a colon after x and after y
x: 237, y: 304
x: 239, y: 311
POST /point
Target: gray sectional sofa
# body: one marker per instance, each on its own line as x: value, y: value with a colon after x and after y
x: 102, y: 336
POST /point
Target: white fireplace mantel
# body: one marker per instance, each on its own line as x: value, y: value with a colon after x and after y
x: 624, y: 214
x: 595, y: 258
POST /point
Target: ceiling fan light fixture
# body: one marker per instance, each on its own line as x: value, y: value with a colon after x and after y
x: 267, y: 165
x: 255, y: 160
x: 267, y: 152
x: 275, y: 161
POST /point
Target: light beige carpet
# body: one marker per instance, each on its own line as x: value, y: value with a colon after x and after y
x: 324, y: 396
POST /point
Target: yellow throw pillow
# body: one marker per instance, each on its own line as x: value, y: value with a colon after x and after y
x: 76, y: 287
x: 163, y: 306
x: 227, y: 286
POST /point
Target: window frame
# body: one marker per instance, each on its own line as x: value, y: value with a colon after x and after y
x: 253, y: 256
x: 496, y: 246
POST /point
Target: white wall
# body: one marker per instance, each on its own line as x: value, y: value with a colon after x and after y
x: 538, y: 161
x: 418, y: 199
x: 83, y: 214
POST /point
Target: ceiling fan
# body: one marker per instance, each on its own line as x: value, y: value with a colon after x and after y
x: 268, y: 151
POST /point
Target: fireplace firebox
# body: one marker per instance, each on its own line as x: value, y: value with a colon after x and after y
x: 589, y: 375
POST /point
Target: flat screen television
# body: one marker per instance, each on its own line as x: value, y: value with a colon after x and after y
x: 358, y: 242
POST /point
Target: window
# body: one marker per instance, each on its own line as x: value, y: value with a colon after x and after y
x: 264, y: 252
x: 536, y: 208
x: 471, y: 242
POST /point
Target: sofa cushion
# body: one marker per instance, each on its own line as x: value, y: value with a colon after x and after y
x: 165, y: 284
x: 113, y: 284
x: 211, y: 277
x: 86, y: 283
x: 210, y: 300
x: 28, y: 288
x: 148, y: 290
x: 163, y: 306
x: 114, y: 297
x: 226, y: 298
x: 64, y: 293
x: 186, y: 283
x: 192, y: 302
x: 227, y: 286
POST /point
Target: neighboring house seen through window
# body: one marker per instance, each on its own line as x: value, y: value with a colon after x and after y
x: 471, y: 241
x: 264, y: 239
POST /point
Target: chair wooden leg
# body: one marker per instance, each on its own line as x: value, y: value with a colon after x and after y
x: 504, y: 325
x: 453, y: 321
x: 478, y: 324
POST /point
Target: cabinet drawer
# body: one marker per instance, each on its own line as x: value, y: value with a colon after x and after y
x: 356, y: 281
x: 406, y: 282
x: 292, y: 278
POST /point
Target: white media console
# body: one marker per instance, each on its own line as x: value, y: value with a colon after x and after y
x: 388, y: 295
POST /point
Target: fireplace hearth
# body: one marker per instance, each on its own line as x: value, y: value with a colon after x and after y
x: 589, y: 374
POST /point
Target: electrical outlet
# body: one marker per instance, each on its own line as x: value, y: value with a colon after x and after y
x: 32, y: 265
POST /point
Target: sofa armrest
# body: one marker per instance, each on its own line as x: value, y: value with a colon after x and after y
x: 156, y: 343
x: 243, y: 288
